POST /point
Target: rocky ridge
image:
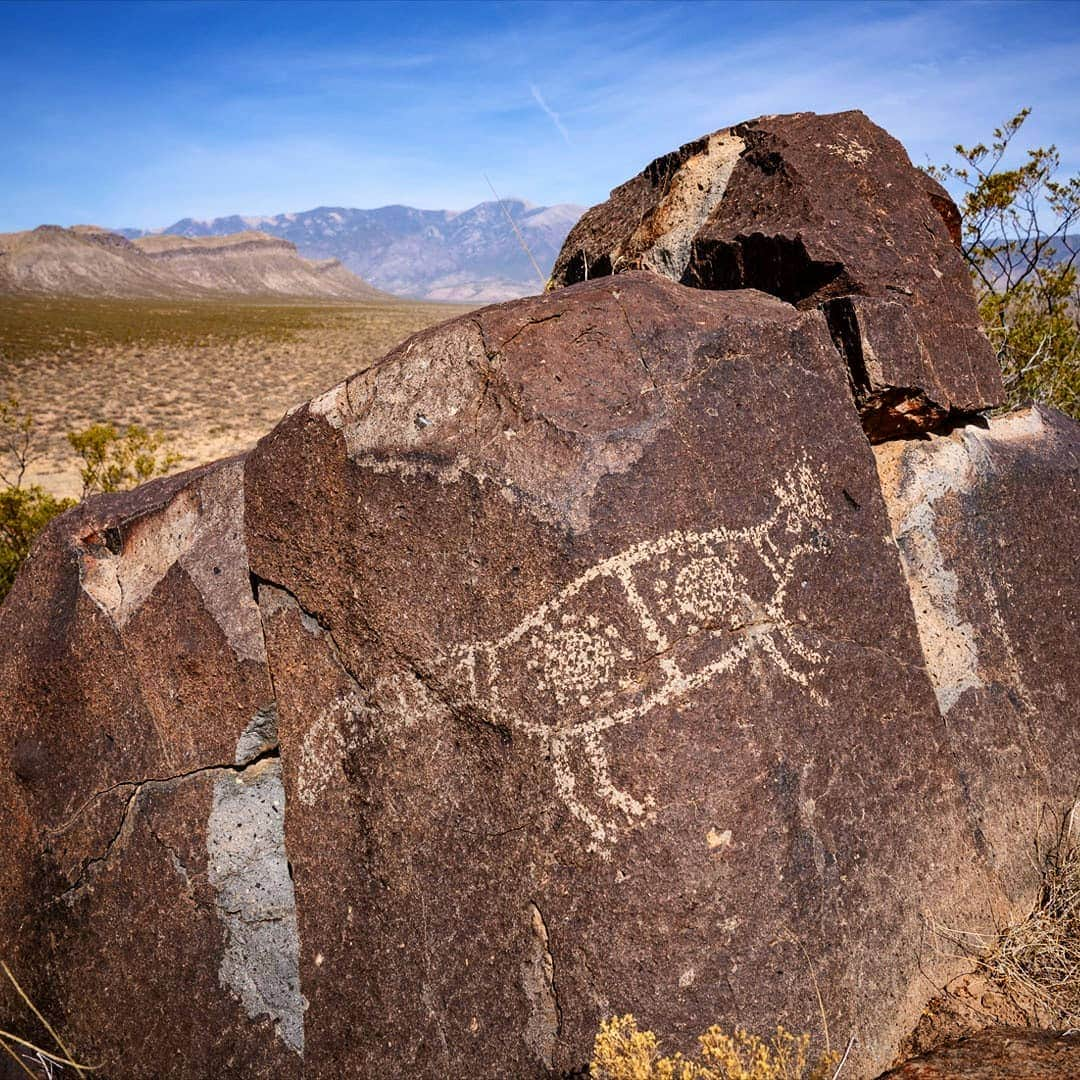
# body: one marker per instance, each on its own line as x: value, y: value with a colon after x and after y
x: 88, y: 261
x: 472, y: 255
x: 599, y: 652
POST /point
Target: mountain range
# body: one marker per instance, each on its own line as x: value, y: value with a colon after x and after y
x: 89, y: 261
x: 473, y: 255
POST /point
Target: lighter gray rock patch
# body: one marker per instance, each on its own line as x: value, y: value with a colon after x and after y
x: 696, y: 190
x: 918, y: 480
x: 245, y: 839
x: 913, y: 486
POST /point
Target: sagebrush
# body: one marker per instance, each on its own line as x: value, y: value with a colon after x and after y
x: 622, y: 1051
x: 115, y: 459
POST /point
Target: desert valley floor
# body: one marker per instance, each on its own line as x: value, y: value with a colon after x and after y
x: 213, y: 376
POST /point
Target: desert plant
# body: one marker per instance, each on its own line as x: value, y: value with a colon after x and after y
x: 1017, y: 241
x: 622, y: 1051
x: 115, y: 459
x: 24, y: 512
x: 17, y: 442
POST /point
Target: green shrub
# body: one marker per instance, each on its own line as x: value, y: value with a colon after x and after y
x: 1038, y: 345
x: 24, y: 512
x: 115, y: 460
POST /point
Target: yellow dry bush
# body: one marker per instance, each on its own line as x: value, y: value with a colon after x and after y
x: 622, y: 1052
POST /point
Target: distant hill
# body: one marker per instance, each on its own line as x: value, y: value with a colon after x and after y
x: 89, y: 261
x: 473, y: 255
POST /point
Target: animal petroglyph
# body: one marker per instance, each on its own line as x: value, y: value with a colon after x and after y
x: 678, y: 612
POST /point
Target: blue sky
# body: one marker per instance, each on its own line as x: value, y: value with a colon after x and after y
x: 142, y: 113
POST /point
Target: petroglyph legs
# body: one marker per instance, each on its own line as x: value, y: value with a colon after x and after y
x: 678, y: 612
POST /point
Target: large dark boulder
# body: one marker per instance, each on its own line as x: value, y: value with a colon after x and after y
x: 579, y: 657
x: 594, y: 713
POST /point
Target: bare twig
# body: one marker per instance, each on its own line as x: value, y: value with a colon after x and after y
x: 9, y: 1037
x: 68, y: 1058
x: 817, y: 991
x: 17, y: 435
x: 850, y: 1044
x: 18, y: 1060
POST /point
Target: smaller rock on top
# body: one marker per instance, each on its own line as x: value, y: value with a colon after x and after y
x: 820, y: 211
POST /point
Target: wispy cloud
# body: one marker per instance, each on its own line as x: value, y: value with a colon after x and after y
x: 552, y: 114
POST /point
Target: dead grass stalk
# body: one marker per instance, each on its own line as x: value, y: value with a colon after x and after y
x: 9, y: 1041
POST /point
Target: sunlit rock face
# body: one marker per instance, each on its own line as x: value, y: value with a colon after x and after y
x: 580, y: 657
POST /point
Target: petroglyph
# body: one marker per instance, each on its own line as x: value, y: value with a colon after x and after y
x: 850, y: 149
x: 390, y: 710
x: 333, y: 733
x: 681, y: 610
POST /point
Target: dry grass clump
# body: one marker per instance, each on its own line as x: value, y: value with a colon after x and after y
x: 622, y: 1052
x: 1036, y: 961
